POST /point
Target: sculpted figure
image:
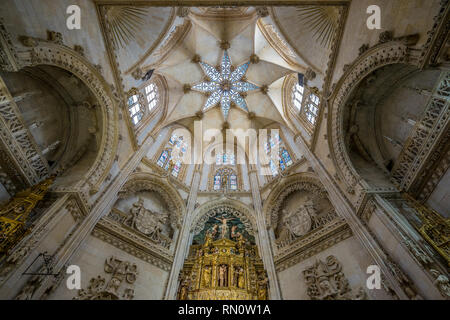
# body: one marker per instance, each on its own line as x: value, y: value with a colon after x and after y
x: 223, y: 226
x: 241, y: 282
x: 442, y: 282
x: 136, y: 209
x: 222, y: 275
x: 207, y: 277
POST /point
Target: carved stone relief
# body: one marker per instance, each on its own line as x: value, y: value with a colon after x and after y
x: 121, y: 276
x: 326, y: 281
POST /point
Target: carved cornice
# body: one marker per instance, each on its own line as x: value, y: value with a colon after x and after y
x: 132, y: 243
x: 430, y: 181
x: 313, y: 244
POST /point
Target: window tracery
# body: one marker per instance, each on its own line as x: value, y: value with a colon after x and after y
x: 279, y: 162
x: 302, y: 102
x: 225, y: 178
x: 135, y: 108
x: 170, y: 158
x: 151, y: 92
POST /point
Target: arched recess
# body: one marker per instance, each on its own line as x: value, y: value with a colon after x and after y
x: 44, y: 53
x: 298, y: 182
x: 297, y: 213
x: 237, y: 208
x: 390, y: 53
x: 138, y: 182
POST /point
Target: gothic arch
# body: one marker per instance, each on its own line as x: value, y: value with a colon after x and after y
x: 58, y: 55
x: 150, y: 182
x: 384, y: 54
x: 297, y: 182
x: 202, y: 214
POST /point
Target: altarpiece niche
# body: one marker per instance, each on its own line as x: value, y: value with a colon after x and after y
x: 223, y: 261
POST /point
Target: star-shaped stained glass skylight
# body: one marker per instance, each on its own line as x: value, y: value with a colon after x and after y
x: 225, y: 86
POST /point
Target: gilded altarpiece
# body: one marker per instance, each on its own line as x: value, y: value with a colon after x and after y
x: 223, y: 263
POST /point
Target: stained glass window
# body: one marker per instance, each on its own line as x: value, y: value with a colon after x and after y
x: 226, y: 158
x: 297, y: 96
x: 163, y: 158
x: 173, y: 155
x: 284, y: 157
x: 312, y: 108
x: 225, y: 86
x: 134, y: 107
x: 217, y: 182
x: 225, y: 174
x: 151, y: 91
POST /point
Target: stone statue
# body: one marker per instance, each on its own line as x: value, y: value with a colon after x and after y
x: 442, y: 282
x: 241, y: 281
x: 135, y: 211
x: 207, y: 277
x: 223, y: 226
x: 223, y: 275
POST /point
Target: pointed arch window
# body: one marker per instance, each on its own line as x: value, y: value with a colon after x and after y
x: 135, y: 109
x: 284, y: 157
x: 297, y: 96
x: 312, y: 108
x: 151, y: 93
x: 172, y: 156
x: 225, y: 178
x: 225, y: 158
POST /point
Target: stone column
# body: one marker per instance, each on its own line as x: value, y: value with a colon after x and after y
x: 345, y: 210
x: 183, y: 239
x: 263, y: 236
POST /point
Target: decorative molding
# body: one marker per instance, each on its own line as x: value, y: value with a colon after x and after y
x: 278, y: 44
x: 8, y: 53
x: 133, y: 243
x: 314, y: 242
x: 373, y: 59
x: 234, y: 207
x: 309, y: 247
x: 47, y: 53
x: 438, y: 36
x: 18, y: 142
x: 431, y: 132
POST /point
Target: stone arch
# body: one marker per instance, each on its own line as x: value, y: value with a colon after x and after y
x: 393, y: 52
x: 149, y: 182
x: 242, y: 211
x: 57, y: 55
x: 297, y: 182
